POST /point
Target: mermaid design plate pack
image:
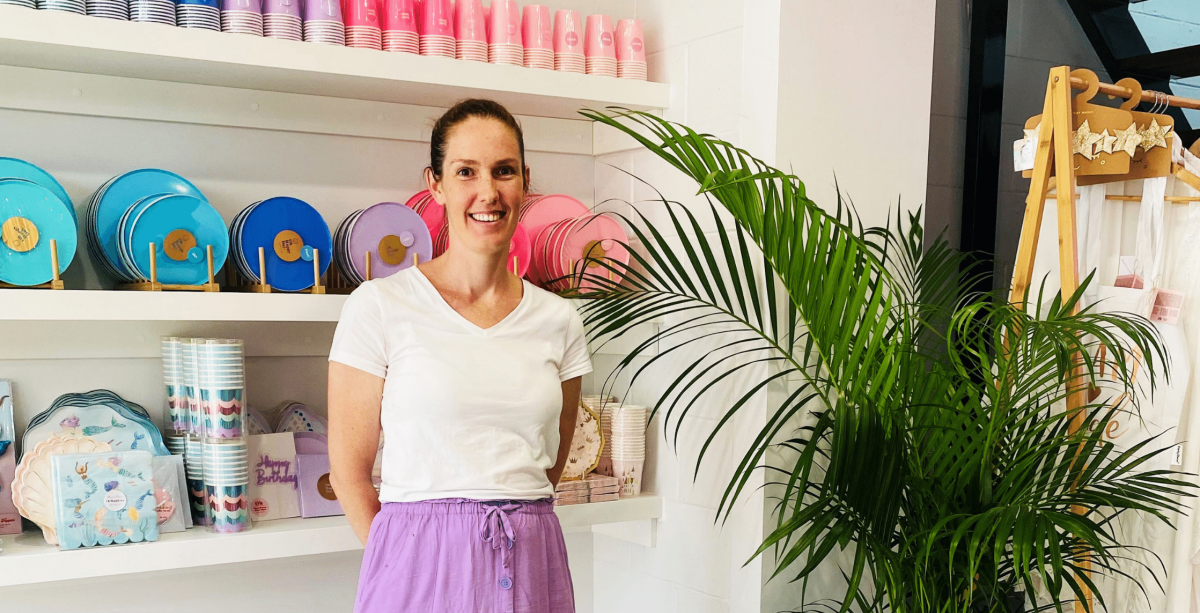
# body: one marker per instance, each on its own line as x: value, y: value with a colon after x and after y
x: 33, y: 484
x: 100, y: 415
x: 104, y: 498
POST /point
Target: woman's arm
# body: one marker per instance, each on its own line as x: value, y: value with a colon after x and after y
x: 355, y: 400
x: 566, y: 426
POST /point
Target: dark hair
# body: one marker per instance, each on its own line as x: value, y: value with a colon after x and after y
x: 460, y: 112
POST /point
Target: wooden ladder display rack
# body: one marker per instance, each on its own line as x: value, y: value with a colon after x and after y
x: 1055, y: 155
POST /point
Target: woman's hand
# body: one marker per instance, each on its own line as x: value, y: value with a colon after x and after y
x: 566, y: 426
x: 355, y: 399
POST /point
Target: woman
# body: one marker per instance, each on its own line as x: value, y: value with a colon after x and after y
x: 474, y: 375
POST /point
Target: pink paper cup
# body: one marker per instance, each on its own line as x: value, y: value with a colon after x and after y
x: 505, y: 23
x: 568, y: 32
x: 631, y: 45
x: 361, y: 13
x: 599, y: 40
x: 399, y: 16
x: 537, y: 30
x: 436, y: 18
x: 469, y: 21
x: 630, y: 474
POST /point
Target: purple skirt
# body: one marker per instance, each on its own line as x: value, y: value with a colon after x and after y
x: 465, y: 556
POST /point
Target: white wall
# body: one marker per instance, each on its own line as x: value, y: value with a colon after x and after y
x: 855, y: 81
x: 720, y: 59
x: 854, y: 100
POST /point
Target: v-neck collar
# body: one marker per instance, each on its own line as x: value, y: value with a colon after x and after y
x: 470, y: 325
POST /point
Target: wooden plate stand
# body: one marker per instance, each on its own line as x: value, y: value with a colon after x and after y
x: 340, y: 285
x: 55, y: 283
x: 154, y: 286
x: 234, y: 281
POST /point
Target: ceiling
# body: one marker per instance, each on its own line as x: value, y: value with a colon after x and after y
x: 1154, y: 41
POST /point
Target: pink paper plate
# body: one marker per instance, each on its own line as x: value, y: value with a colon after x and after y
x: 601, y: 229
x: 545, y: 210
x: 520, y: 248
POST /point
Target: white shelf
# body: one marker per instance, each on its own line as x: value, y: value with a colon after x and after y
x: 117, y: 305
x: 27, y: 559
x: 74, y: 43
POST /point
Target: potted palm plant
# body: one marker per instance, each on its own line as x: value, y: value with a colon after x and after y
x: 926, y: 440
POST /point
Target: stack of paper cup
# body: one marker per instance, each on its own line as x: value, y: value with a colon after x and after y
x: 629, y: 447
x: 226, y: 480
x: 537, y: 35
x: 242, y: 17
x: 400, y: 27
x: 470, y: 31
x: 29, y: 4
x: 504, y: 33
x: 199, y: 14
x: 437, y: 28
x: 78, y: 7
x: 108, y: 9
x: 362, y: 24
x: 176, y: 443
x: 281, y: 19
x: 323, y: 22
x: 222, y: 369
x: 191, y: 383
x: 568, y: 42
x: 599, y: 50
x: 631, y: 50
x: 152, y: 11
x: 177, y: 402
x: 193, y: 466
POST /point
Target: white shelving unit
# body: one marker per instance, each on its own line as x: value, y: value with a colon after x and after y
x: 73, y: 43
x: 115, y: 305
x: 27, y: 559
x: 83, y: 71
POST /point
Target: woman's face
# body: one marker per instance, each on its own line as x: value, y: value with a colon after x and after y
x: 482, y: 185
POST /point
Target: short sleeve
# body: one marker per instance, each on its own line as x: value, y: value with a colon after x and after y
x: 358, y: 341
x: 577, y: 361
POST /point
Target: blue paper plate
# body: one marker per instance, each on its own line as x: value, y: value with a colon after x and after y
x: 50, y: 215
x: 165, y: 214
x: 120, y: 194
x: 12, y: 168
x: 264, y: 222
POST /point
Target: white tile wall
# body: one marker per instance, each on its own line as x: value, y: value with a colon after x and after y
x: 698, y: 47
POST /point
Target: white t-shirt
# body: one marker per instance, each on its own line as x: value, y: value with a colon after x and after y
x: 467, y: 412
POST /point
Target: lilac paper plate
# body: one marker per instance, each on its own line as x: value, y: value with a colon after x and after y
x: 383, y: 220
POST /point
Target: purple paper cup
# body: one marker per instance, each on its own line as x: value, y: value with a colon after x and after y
x: 249, y: 6
x: 322, y: 10
x: 281, y: 7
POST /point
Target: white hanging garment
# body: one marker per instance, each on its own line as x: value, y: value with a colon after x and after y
x: 1160, y: 411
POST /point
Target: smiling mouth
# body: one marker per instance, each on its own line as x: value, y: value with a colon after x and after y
x: 488, y: 217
